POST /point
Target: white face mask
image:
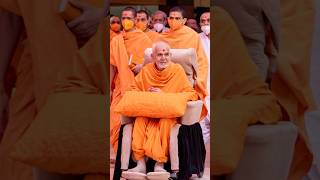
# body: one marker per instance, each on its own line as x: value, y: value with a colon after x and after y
x: 205, y: 29
x: 158, y: 27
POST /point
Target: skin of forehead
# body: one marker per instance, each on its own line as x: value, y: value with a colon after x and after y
x: 158, y: 16
x: 205, y: 16
x: 141, y: 15
x: 127, y: 14
x: 175, y: 14
x: 114, y: 18
x: 161, y: 47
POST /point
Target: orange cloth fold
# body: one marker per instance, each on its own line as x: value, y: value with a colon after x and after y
x: 154, y: 36
x: 240, y: 97
x: 121, y: 47
x: 151, y: 136
x: 291, y: 83
x: 185, y: 37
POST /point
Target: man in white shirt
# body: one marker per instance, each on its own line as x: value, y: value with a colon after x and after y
x: 205, y: 40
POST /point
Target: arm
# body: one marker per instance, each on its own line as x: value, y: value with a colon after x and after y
x: 10, y: 27
x: 86, y: 25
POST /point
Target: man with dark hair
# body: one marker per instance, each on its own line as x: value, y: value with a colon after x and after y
x: 126, y: 58
x: 181, y: 36
x: 142, y: 23
x: 192, y: 23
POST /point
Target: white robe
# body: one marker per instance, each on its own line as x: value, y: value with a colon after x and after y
x: 205, y: 124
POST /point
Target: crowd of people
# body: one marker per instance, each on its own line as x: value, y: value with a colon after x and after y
x: 130, y: 35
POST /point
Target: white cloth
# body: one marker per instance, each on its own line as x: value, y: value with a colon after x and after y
x: 205, y: 124
x: 205, y: 41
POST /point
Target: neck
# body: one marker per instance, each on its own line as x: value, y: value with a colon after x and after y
x: 130, y: 30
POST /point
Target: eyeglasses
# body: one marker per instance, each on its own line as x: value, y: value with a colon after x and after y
x: 115, y: 22
x: 176, y: 18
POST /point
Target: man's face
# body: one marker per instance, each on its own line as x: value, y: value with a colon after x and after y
x: 127, y: 15
x: 158, y: 18
x: 193, y: 24
x: 175, y: 15
x: 162, y: 56
x: 115, y: 23
x: 141, y: 17
x: 205, y: 19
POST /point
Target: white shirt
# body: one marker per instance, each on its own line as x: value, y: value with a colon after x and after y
x: 205, y: 41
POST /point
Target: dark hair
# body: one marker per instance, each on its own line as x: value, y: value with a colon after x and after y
x: 132, y: 9
x: 178, y: 9
x: 143, y: 11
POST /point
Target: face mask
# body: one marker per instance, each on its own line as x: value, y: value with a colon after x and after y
x: 127, y: 24
x: 115, y: 27
x: 205, y: 29
x: 141, y: 25
x: 158, y: 27
x: 175, y: 24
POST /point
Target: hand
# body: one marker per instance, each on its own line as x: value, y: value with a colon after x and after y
x: 136, y: 69
x: 86, y: 25
x: 154, y: 89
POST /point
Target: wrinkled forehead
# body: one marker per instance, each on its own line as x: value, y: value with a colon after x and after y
x: 158, y: 16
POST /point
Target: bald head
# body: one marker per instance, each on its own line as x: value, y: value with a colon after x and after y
x: 161, y: 55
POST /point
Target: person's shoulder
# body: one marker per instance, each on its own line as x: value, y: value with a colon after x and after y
x: 189, y: 30
x: 147, y: 67
x: 177, y: 67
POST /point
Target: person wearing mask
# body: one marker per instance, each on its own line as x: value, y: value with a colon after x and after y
x: 130, y: 44
x: 159, y: 21
x: 115, y: 27
x: 142, y: 23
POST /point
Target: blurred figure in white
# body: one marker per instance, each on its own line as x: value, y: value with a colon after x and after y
x: 205, y: 40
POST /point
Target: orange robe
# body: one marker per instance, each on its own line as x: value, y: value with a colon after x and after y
x: 49, y: 49
x: 185, y: 37
x: 121, y: 47
x: 239, y: 96
x: 113, y: 34
x: 150, y: 137
x: 89, y: 75
x: 291, y: 83
x: 152, y: 35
